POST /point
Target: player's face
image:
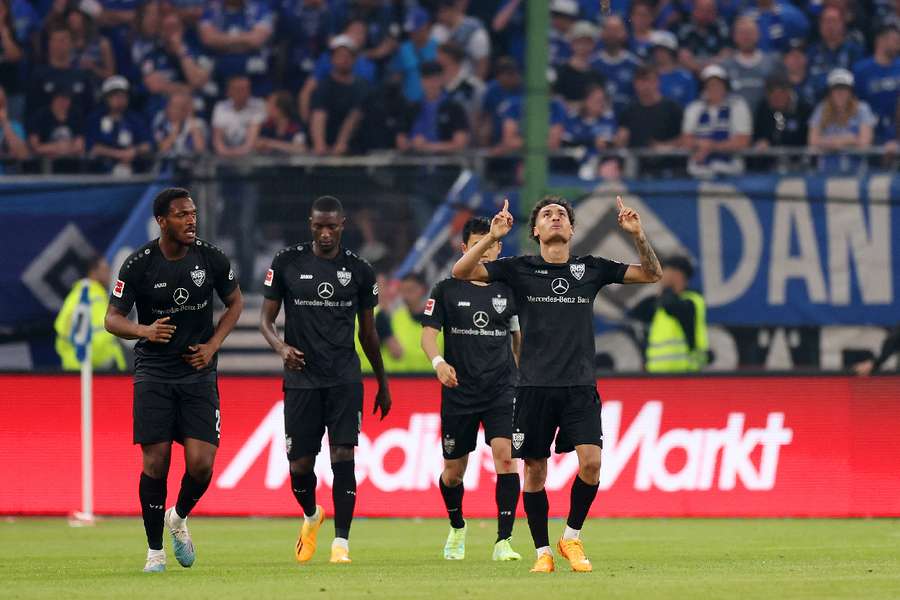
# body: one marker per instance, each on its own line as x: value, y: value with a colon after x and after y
x: 180, y: 224
x: 490, y: 254
x: 553, y: 224
x: 326, y: 228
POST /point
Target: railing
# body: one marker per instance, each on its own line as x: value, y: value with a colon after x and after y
x: 634, y: 162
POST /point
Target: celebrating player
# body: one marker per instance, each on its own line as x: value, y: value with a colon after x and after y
x: 555, y: 293
x: 176, y: 398
x: 478, y: 378
x: 324, y: 288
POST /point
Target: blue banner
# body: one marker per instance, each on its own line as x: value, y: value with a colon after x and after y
x: 50, y: 229
x: 768, y: 250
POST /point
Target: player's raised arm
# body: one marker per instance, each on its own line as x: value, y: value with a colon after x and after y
x: 469, y: 266
x: 649, y: 270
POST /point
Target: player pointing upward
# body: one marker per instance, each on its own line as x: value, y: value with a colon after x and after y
x: 557, y: 394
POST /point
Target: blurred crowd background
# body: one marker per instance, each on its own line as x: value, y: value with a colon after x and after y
x: 114, y: 85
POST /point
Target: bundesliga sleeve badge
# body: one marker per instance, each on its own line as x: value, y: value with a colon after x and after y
x: 270, y: 275
x: 429, y: 307
x: 119, y: 288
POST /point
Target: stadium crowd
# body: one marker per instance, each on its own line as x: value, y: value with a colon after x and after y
x: 123, y: 82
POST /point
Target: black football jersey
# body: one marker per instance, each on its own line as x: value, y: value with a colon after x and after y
x: 321, y: 299
x: 475, y: 320
x: 182, y: 290
x: 556, y: 312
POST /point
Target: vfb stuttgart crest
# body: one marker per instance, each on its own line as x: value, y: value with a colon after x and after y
x: 499, y: 304
x: 344, y: 277
x: 518, y: 438
x: 198, y: 276
x: 577, y: 270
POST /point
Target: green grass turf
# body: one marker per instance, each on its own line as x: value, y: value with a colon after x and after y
x: 633, y: 558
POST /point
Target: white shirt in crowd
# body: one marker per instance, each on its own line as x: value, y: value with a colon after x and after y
x: 234, y: 123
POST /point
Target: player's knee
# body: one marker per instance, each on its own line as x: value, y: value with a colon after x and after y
x: 303, y: 465
x: 201, y: 469
x: 504, y: 465
x: 156, y: 463
x: 341, y: 454
x: 590, y: 470
x: 535, y: 474
x: 453, y: 478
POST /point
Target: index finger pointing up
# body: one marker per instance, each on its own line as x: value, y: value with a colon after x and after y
x: 619, y: 204
x: 505, y: 204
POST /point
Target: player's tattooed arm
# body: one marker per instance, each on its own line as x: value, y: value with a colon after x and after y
x: 293, y: 358
x: 649, y: 270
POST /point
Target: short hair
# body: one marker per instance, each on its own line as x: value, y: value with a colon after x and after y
x: 547, y: 201
x: 91, y: 262
x: 645, y: 71
x: 430, y: 68
x: 327, y: 204
x: 284, y: 102
x: 680, y: 263
x: 456, y: 52
x: 416, y: 277
x: 506, y: 64
x: 164, y: 199
x: 477, y: 226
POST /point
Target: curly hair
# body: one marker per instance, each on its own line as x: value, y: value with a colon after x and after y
x: 547, y: 201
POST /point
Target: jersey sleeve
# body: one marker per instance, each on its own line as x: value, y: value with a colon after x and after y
x: 273, y: 288
x: 503, y: 269
x: 611, y: 271
x: 124, y: 290
x: 434, y: 309
x: 368, y: 287
x: 223, y: 275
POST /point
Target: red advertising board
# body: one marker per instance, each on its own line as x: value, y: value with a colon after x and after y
x: 713, y: 446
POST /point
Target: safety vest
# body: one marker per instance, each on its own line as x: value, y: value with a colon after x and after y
x: 667, y: 347
x: 408, y: 333
x: 105, y: 349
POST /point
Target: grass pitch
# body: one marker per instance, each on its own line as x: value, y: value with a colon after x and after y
x: 647, y: 558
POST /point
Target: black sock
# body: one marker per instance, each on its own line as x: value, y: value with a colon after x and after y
x: 453, y: 501
x: 304, y: 488
x: 343, y: 492
x: 190, y: 493
x: 152, y: 493
x: 507, y: 495
x: 580, y: 500
x: 537, y: 508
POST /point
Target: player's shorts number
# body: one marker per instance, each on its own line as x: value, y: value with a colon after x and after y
x: 218, y: 421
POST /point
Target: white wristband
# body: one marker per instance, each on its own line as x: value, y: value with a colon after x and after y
x: 436, y: 361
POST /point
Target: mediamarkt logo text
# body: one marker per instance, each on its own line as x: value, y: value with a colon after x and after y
x: 706, y: 457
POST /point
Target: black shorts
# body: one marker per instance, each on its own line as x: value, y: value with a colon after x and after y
x: 307, y: 412
x: 166, y: 412
x: 540, y: 411
x: 459, y: 432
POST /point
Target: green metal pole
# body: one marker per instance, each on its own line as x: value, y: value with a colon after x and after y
x: 537, y: 103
